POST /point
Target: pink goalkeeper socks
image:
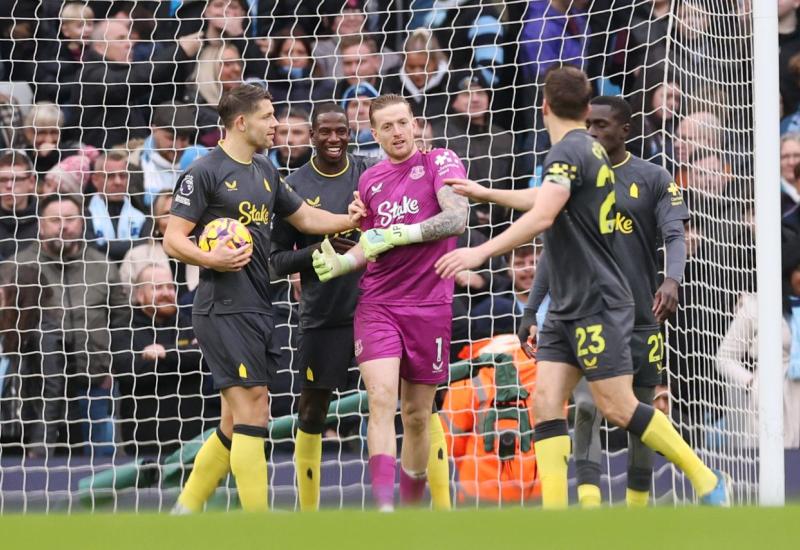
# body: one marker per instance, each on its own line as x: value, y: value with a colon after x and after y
x: 412, y: 487
x: 381, y: 469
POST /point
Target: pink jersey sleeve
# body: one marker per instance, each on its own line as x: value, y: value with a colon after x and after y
x: 446, y: 164
x: 368, y: 221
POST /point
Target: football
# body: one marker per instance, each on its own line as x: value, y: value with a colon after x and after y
x: 217, y: 229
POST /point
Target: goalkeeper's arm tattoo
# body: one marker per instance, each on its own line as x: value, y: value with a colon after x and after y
x: 451, y: 221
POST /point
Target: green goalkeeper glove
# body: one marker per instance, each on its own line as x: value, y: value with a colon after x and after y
x: 329, y: 265
x: 377, y: 241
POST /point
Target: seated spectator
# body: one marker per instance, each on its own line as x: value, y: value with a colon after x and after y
x: 43, y: 138
x: 77, y: 26
x: 165, y: 395
x: 71, y: 176
x: 292, y: 145
x: 152, y: 253
x: 30, y: 363
x: 113, y: 92
x: 698, y: 135
x: 361, y: 64
x: 229, y: 21
x: 114, y: 225
x: 553, y: 33
x: 662, y: 103
x: 423, y: 135
x: 790, y: 160
x: 86, y: 303
x: 219, y: 68
x: 165, y: 154
x: 499, y: 313
x: 735, y: 364
x: 356, y: 103
x: 488, y: 438
x: 19, y: 224
x: 293, y: 78
x: 486, y: 149
x: 423, y: 76
x: 349, y: 21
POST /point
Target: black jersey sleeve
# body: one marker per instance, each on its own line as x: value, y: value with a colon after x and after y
x: 287, y: 202
x: 669, y: 200
x: 284, y: 259
x: 562, y: 166
x: 191, y: 195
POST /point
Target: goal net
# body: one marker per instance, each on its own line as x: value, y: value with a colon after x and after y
x: 103, y: 392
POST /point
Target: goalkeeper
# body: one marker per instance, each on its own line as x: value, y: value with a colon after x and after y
x: 326, y: 349
x: 653, y: 207
x: 232, y: 312
x: 403, y: 321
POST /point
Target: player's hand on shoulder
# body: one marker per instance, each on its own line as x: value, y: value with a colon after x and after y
x: 373, y: 243
x: 468, y: 188
x: 459, y: 260
x: 224, y: 258
x: 357, y: 210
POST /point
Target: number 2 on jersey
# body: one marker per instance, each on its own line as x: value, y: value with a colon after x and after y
x: 596, y: 341
x: 656, y: 343
x: 607, y: 217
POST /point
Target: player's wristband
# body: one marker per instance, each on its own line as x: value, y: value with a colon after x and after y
x: 401, y: 234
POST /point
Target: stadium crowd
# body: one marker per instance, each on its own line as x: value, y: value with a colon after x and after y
x: 104, y: 104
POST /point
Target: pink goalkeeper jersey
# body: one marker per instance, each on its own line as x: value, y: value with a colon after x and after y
x: 406, y: 193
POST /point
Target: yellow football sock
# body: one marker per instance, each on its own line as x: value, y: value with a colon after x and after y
x: 438, y: 466
x: 589, y: 495
x: 552, y: 456
x: 249, y: 467
x: 307, y: 458
x: 637, y: 499
x: 663, y: 438
x: 210, y: 465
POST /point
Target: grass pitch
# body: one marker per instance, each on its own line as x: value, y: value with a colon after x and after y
x: 512, y: 529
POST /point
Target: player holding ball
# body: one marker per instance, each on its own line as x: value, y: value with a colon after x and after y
x: 232, y: 313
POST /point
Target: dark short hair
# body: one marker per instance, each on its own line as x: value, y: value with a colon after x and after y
x: 325, y: 108
x: 241, y: 100
x: 293, y: 111
x: 620, y: 108
x: 15, y: 157
x: 385, y: 100
x: 177, y: 117
x: 46, y: 201
x: 567, y: 91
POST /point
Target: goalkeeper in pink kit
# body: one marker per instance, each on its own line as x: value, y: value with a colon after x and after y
x: 403, y: 319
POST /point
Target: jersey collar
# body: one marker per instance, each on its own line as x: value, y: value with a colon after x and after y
x: 627, y: 158
x: 221, y: 144
x: 336, y: 175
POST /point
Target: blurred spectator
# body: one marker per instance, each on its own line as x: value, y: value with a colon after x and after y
x: 360, y: 62
x: 471, y: 30
x: 165, y: 397
x: 789, y: 41
x: 423, y: 136
x: 655, y: 127
x: 486, y: 149
x: 498, y: 314
x: 86, y: 303
x: 488, y: 437
x: 43, y: 138
x: 348, y: 22
x: 790, y: 160
x: 71, y: 175
x: 229, y: 21
x: 735, y: 362
x: 114, y: 225
x: 219, y: 68
x: 19, y: 224
x: 553, y: 32
x: 165, y: 154
x: 152, y: 253
x: 30, y: 363
x: 293, y: 77
x: 292, y: 145
x: 114, y: 93
x: 423, y: 76
x: 699, y: 135
x: 356, y: 102
x: 141, y: 22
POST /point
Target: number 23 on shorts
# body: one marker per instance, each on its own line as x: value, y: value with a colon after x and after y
x: 589, y: 340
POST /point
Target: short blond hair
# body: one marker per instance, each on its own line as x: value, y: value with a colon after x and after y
x: 76, y: 11
x: 44, y: 114
x: 385, y: 100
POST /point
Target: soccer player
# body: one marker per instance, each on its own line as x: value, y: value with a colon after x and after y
x: 232, y: 313
x: 649, y: 204
x: 591, y: 317
x: 403, y: 320
x: 326, y: 348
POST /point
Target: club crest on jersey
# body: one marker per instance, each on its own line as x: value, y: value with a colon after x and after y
x: 359, y: 347
x: 187, y: 185
x: 390, y: 212
x: 376, y: 188
x: 417, y: 172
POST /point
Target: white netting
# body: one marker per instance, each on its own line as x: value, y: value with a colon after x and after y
x: 88, y: 119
